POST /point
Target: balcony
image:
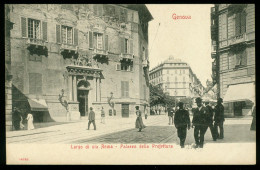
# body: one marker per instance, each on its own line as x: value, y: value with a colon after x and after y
x: 240, y: 39
x: 145, y: 63
x: 126, y: 57
x: 214, y: 65
x: 100, y: 52
x: 37, y: 42
x: 37, y: 46
x: 213, y: 51
x: 69, y: 47
x: 236, y: 7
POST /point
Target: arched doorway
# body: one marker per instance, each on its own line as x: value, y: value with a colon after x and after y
x: 83, y: 91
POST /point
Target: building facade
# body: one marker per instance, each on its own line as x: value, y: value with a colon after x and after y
x: 176, y: 78
x: 233, y: 51
x: 68, y: 58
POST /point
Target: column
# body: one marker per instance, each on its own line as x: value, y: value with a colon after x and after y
x: 98, y: 90
x: 70, y: 88
x: 74, y: 88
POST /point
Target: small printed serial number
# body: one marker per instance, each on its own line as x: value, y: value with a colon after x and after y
x: 24, y: 159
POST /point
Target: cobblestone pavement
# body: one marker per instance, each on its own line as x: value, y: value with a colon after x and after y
x: 121, y: 130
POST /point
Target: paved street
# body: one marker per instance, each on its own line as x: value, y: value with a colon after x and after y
x: 121, y: 130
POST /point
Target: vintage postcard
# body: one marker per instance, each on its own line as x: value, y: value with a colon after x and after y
x: 124, y: 84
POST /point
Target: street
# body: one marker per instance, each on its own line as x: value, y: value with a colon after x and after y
x: 121, y: 130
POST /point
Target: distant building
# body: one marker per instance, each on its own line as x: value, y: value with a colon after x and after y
x: 176, y: 78
x: 65, y: 58
x: 233, y: 48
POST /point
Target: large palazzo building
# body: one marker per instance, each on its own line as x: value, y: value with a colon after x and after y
x: 68, y: 58
x: 233, y: 49
x: 176, y: 78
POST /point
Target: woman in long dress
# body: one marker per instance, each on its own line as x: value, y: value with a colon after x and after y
x: 139, y: 121
x: 30, y: 121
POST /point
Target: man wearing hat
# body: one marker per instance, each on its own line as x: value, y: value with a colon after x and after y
x: 200, y: 122
x: 219, y: 118
x: 210, y: 120
x: 91, y: 118
x: 182, y: 122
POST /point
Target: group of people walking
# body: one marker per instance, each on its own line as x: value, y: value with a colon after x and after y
x: 203, y: 117
x: 19, y: 118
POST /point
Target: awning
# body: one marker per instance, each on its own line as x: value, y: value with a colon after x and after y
x: 240, y: 92
x: 38, y: 105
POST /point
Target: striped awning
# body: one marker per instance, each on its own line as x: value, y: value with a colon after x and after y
x: 38, y: 105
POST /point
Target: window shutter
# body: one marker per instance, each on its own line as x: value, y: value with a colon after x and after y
x: 24, y: 27
x: 122, y: 88
x: 117, y: 12
x: 131, y: 47
x: 58, y: 34
x: 106, y: 42
x: 122, y: 44
x: 118, y: 66
x: 243, y: 22
x: 32, y: 83
x: 76, y: 36
x: 131, y: 68
x: 244, y: 58
x: 125, y: 12
x: 238, y: 59
x: 127, y: 89
x: 90, y: 39
x: 237, y: 24
x: 44, y: 31
x: 95, y: 9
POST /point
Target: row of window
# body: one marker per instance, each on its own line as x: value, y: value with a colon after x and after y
x: 159, y: 73
x: 36, y: 29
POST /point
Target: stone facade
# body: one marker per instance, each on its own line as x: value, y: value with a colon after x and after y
x: 177, y: 78
x: 233, y: 48
x: 75, y: 56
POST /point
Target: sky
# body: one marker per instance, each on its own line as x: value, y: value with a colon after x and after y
x: 185, y: 39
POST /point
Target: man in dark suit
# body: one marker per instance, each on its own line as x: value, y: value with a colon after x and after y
x: 91, y: 118
x: 182, y: 122
x: 210, y: 121
x: 200, y: 122
x: 219, y: 118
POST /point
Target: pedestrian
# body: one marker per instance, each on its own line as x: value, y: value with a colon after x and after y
x: 253, y: 124
x: 170, y: 115
x: 219, y: 118
x: 146, y: 112
x: 29, y: 119
x: 200, y: 122
x: 139, y: 121
x: 102, y: 115
x: 210, y: 121
x: 21, y: 123
x: 182, y: 122
x: 16, y: 118
x: 159, y: 111
x: 91, y: 118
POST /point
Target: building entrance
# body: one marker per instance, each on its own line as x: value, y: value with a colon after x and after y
x: 83, y: 91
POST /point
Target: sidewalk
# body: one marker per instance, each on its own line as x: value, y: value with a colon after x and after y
x: 76, y: 130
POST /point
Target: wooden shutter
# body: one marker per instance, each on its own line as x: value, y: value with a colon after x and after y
x: 122, y: 88
x: 44, y: 31
x: 90, y: 39
x: 224, y: 26
x: 131, y: 47
x: 117, y: 12
x: 106, y: 42
x: 58, y: 34
x: 237, y: 24
x: 125, y: 12
x: 95, y: 9
x: 244, y: 58
x: 122, y: 44
x: 127, y: 88
x: 243, y: 22
x: 32, y: 84
x: 24, y: 26
x: 76, y: 36
x: 38, y: 83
